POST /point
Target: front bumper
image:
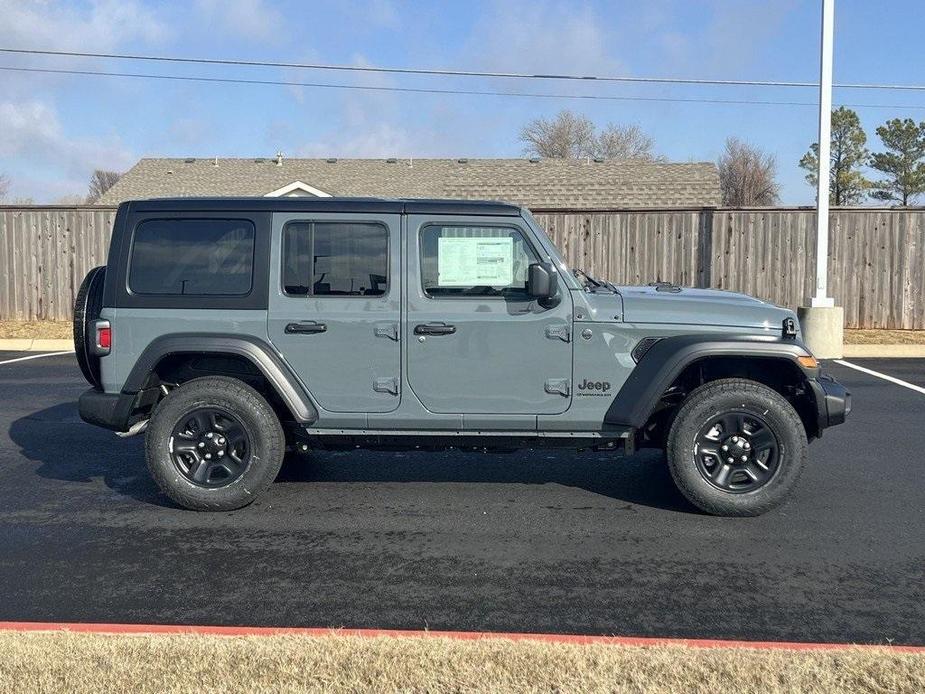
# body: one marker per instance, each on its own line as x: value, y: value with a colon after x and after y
x: 833, y: 401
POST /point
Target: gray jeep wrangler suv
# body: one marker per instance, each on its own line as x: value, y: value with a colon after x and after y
x: 232, y: 330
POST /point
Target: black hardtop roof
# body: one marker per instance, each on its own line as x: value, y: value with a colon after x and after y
x: 318, y: 204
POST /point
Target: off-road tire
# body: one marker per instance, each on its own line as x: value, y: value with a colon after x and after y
x: 736, y: 395
x: 267, y: 443
x: 87, y: 307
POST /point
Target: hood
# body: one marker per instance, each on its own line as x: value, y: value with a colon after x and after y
x: 701, y: 306
x: 697, y: 306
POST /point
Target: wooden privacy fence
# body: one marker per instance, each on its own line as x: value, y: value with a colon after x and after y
x: 876, y: 256
x: 44, y: 254
x: 876, y: 269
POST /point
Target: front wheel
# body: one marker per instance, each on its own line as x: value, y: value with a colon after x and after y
x: 214, y: 444
x: 736, y: 448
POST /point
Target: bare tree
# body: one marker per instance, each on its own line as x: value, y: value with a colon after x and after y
x: 747, y: 176
x: 71, y: 200
x: 4, y: 186
x: 573, y: 136
x: 100, y: 182
x: 625, y: 142
x: 567, y: 136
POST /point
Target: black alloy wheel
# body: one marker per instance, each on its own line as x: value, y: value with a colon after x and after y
x: 210, y: 447
x: 737, y: 451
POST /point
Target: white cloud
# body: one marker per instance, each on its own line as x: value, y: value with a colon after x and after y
x: 543, y: 36
x: 101, y: 26
x: 32, y: 138
x: 379, y: 13
x: 373, y: 141
x: 247, y: 19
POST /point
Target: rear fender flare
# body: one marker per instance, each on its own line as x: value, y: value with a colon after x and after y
x: 255, y: 350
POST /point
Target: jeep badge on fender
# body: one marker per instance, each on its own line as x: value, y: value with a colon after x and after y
x: 231, y: 331
x: 602, y: 386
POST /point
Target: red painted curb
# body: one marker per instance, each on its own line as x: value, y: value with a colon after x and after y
x: 79, y: 627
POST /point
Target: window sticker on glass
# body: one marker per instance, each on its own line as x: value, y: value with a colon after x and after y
x: 466, y: 262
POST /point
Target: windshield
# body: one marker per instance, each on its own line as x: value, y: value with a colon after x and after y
x: 550, y: 248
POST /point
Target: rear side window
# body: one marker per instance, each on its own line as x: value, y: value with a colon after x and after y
x: 335, y: 259
x: 460, y: 261
x: 198, y: 257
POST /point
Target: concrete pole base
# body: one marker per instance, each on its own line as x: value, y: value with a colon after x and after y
x: 823, y: 330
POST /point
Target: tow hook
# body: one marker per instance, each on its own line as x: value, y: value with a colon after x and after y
x: 134, y: 430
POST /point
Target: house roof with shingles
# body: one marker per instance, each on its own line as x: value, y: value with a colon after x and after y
x: 544, y: 183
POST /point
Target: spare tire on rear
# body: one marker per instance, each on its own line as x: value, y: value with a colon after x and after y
x: 87, y: 307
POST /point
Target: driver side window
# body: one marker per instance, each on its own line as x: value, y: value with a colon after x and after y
x: 472, y: 261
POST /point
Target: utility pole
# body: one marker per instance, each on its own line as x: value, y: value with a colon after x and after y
x: 822, y: 322
x: 821, y: 297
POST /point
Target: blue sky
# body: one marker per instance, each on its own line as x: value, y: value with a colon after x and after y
x: 54, y: 130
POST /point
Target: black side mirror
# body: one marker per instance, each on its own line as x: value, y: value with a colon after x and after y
x: 542, y: 281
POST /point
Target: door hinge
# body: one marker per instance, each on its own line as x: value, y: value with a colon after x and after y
x: 561, y: 331
x: 389, y: 330
x: 558, y: 386
x: 386, y: 385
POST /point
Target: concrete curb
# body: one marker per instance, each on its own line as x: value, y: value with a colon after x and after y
x: 885, y: 351
x: 30, y: 344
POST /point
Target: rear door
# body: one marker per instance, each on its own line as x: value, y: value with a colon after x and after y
x: 334, y: 308
x: 477, y: 343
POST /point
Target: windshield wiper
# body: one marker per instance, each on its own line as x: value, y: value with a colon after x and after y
x: 595, y: 283
x: 581, y: 273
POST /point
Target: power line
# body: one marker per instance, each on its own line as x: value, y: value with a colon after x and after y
x: 460, y: 73
x: 423, y: 90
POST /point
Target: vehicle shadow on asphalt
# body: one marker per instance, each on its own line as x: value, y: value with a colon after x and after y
x: 68, y: 449
x: 639, y: 480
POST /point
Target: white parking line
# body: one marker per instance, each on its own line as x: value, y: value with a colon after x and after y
x: 885, y: 377
x: 36, y: 356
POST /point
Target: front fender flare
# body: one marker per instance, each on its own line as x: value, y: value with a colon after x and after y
x: 666, y: 359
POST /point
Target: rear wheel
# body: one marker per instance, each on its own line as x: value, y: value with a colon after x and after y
x: 736, y: 448
x: 214, y: 444
x: 87, y: 307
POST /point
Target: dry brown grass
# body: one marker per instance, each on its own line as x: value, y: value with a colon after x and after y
x: 41, y: 329
x: 885, y: 337
x: 71, y: 662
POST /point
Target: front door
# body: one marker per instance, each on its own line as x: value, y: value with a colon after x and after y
x: 477, y: 343
x: 334, y: 312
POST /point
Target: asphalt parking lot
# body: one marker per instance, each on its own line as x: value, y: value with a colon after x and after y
x: 529, y: 541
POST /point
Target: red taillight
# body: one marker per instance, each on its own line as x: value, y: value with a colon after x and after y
x: 104, y: 338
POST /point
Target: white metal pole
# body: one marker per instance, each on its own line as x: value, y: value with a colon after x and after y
x: 821, y: 298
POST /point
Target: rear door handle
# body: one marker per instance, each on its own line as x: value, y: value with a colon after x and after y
x: 434, y: 329
x: 305, y: 328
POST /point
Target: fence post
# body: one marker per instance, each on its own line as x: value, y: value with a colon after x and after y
x: 705, y: 248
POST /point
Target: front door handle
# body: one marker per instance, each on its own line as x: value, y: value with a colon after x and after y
x: 305, y: 328
x: 434, y: 329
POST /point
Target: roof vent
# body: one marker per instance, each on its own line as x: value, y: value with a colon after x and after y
x: 215, y: 161
x: 534, y: 160
x: 279, y: 158
x: 598, y: 160
x: 169, y: 171
x: 331, y: 160
x: 462, y: 161
x: 189, y: 161
x: 259, y: 160
x: 391, y: 160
